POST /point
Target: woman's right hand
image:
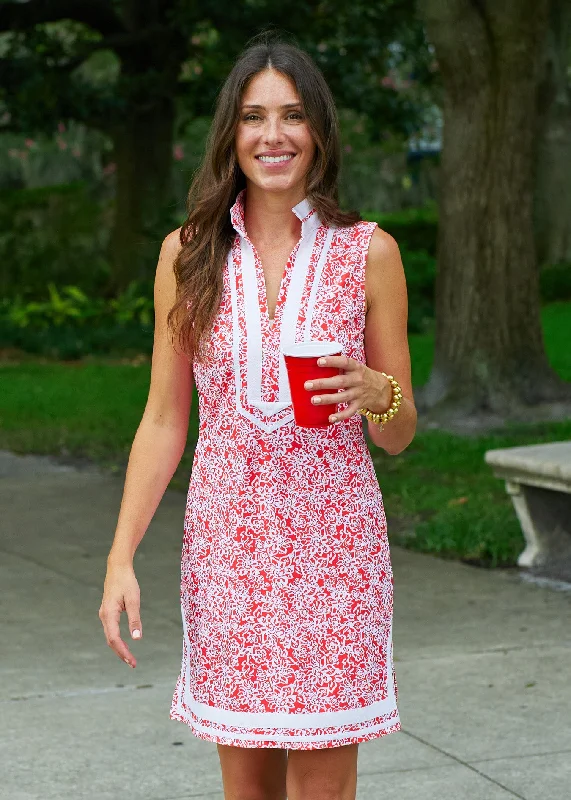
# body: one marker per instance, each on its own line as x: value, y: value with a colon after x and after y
x: 121, y: 593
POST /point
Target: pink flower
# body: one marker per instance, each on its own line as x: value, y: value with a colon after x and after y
x: 61, y: 144
x: 348, y: 148
x: 76, y: 152
x: 197, y: 69
x: 388, y: 81
x: 61, y: 127
x: 178, y: 152
x: 109, y: 168
x: 29, y: 142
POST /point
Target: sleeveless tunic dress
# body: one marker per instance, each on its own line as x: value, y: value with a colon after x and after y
x: 286, y: 580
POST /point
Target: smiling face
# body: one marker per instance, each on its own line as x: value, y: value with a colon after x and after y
x: 274, y: 146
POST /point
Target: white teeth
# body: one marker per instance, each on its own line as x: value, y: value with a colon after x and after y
x: 274, y: 159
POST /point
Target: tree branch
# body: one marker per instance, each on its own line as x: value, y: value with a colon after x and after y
x: 97, y: 14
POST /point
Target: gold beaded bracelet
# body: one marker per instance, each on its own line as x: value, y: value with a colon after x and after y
x: 382, y: 419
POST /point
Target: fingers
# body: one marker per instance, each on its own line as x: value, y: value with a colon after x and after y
x: 110, y: 620
x: 343, y: 362
x: 335, y: 382
x: 132, y: 608
x: 339, y: 397
x: 351, y: 409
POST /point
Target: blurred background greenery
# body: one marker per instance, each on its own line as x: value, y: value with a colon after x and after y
x: 103, y: 119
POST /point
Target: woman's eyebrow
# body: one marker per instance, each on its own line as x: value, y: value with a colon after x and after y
x: 254, y: 105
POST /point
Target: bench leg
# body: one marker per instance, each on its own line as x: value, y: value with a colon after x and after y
x: 532, y: 552
x: 545, y: 519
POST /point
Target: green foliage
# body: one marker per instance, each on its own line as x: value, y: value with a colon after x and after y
x: 50, y: 72
x: 53, y: 233
x: 479, y: 533
x: 69, y: 324
x: 65, y: 306
x: 72, y: 305
x: 413, y: 228
x: 555, y: 282
x: 420, y: 271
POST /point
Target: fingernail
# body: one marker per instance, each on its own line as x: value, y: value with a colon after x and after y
x: 321, y: 362
x: 316, y: 399
x: 126, y: 660
x: 332, y: 419
x: 136, y: 634
x: 309, y: 385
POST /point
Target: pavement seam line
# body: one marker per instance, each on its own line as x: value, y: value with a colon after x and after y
x: 539, y: 645
x: 464, y: 764
x: 50, y: 695
x: 516, y: 757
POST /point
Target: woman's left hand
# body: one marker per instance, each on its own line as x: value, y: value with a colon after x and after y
x: 362, y: 387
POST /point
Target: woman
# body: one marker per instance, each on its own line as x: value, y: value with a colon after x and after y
x: 287, y: 588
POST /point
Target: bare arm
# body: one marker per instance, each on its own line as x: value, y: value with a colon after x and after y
x: 155, y: 454
x: 386, y: 341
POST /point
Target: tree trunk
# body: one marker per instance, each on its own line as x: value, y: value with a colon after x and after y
x: 143, y: 157
x: 553, y: 175
x: 489, y: 351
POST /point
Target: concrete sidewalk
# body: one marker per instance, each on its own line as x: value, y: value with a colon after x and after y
x: 483, y: 664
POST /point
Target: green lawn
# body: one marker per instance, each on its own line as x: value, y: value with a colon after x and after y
x: 440, y: 496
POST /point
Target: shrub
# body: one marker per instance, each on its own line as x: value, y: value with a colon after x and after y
x: 482, y: 534
x: 413, y: 228
x: 53, y: 233
x: 555, y: 282
x: 69, y: 324
x: 420, y: 271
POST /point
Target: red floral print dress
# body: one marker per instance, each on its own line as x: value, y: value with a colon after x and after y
x: 286, y: 579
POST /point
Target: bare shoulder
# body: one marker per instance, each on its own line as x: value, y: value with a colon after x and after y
x: 170, y: 249
x: 383, y: 250
x: 171, y: 244
x: 384, y: 267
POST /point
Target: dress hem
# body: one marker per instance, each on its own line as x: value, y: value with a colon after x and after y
x: 317, y: 744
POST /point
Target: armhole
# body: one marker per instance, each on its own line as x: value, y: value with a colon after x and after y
x: 365, y: 236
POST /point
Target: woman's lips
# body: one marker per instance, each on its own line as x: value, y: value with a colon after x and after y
x: 276, y: 164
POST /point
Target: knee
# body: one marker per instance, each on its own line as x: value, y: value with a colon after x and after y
x: 313, y: 785
x: 255, y: 791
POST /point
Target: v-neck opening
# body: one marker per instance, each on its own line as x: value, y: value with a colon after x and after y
x: 309, y: 222
x: 262, y: 288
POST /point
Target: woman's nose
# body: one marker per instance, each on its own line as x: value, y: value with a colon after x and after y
x: 273, y: 130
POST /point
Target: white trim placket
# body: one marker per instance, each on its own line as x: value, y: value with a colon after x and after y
x: 310, y: 224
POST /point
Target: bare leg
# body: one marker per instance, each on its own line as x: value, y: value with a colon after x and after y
x: 327, y: 774
x: 253, y: 773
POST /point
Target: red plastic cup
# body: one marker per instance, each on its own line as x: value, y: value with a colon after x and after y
x: 301, y: 363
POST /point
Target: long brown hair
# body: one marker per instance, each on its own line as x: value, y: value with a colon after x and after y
x: 207, y: 234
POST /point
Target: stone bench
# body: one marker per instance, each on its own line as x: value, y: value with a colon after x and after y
x: 538, y: 479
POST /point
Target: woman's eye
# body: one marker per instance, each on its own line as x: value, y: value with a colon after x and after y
x: 294, y: 114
